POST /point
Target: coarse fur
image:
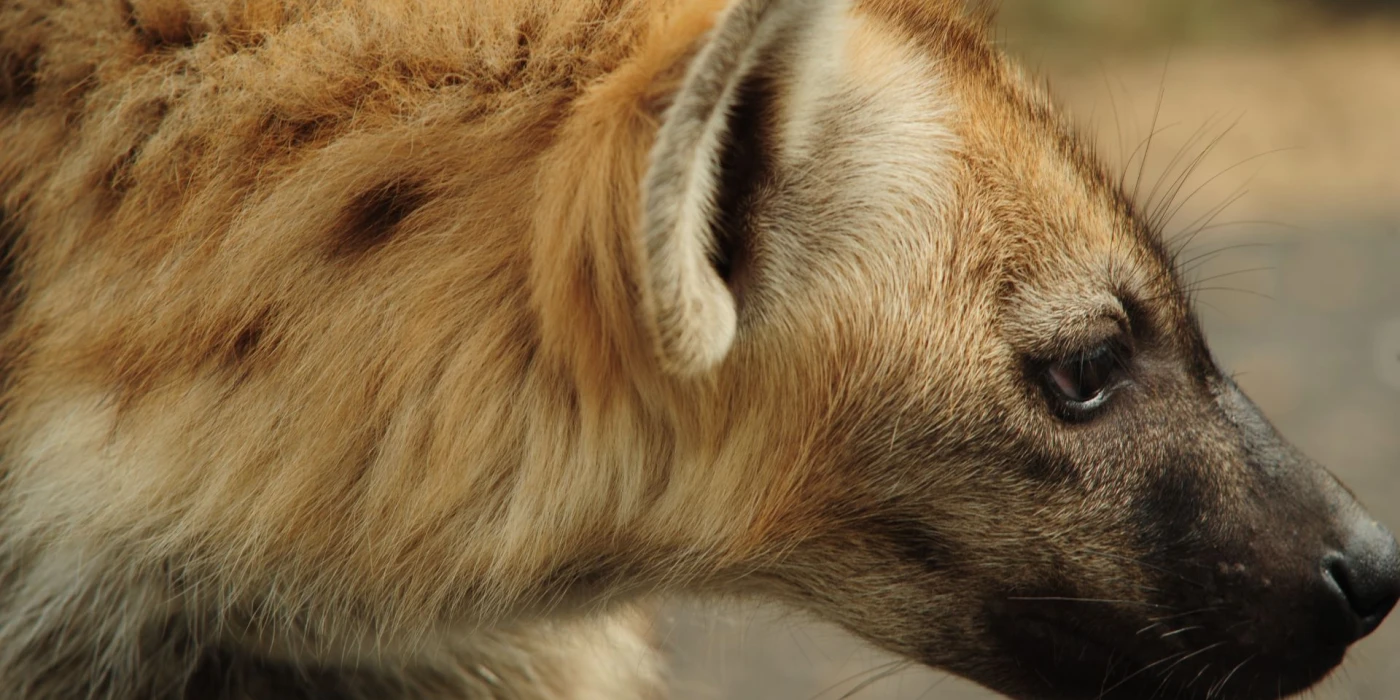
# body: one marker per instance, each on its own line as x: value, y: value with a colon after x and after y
x: 375, y: 349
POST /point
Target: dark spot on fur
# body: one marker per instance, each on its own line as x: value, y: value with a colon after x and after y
x: 304, y: 132
x: 522, y: 50
x: 243, y: 38
x: 168, y: 26
x: 914, y: 540
x: 245, y: 344
x: 1051, y: 469
x: 9, y: 239
x: 247, y: 341
x: 447, y: 80
x: 579, y: 580
x: 287, y: 133
x: 154, y: 112
x: 510, y: 75
x: 610, y: 573
x: 11, y: 293
x: 371, y: 219
x: 118, y: 178
x: 18, y: 76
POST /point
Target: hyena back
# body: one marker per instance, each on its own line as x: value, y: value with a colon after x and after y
x: 410, y: 349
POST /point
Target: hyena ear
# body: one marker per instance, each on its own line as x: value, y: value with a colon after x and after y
x: 708, y: 151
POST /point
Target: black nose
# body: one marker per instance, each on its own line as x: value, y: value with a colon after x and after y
x: 1365, y: 576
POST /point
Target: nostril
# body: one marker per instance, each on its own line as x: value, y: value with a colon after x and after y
x: 1334, y: 568
x: 1367, y: 579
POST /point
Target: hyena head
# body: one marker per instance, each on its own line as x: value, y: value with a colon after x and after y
x: 964, y: 362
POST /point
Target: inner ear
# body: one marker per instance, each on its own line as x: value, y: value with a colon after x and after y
x: 712, y: 155
x: 745, y: 166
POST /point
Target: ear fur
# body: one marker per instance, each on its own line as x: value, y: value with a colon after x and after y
x: 691, y: 311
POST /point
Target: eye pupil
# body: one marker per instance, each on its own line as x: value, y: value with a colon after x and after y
x: 1083, y: 378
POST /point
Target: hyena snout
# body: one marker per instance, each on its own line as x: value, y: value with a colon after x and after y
x: 1307, y: 569
x: 1242, y: 570
x: 1360, y: 582
x: 1312, y: 594
x: 1349, y: 562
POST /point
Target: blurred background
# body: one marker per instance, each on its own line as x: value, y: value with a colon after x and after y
x: 1300, y: 273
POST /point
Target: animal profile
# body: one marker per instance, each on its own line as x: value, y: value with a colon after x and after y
x: 418, y: 350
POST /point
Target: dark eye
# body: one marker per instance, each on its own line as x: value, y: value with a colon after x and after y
x: 1082, y: 383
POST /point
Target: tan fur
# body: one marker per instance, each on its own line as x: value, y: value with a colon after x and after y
x: 383, y: 336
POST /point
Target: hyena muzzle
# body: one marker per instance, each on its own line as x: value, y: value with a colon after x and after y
x: 390, y: 349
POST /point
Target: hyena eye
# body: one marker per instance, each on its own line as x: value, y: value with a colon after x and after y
x: 1082, y: 383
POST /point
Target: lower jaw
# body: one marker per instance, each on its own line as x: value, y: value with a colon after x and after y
x: 1059, y: 661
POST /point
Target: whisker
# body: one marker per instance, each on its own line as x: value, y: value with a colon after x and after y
x: 1250, y: 292
x: 1152, y: 131
x: 1195, y: 290
x: 1196, y: 653
x: 900, y: 666
x: 1208, y: 608
x: 1071, y: 599
x: 877, y: 669
x: 1258, y: 222
x: 1185, y: 266
x: 1179, y: 631
x: 1220, y: 687
x: 1212, y: 278
x: 1162, y: 214
x: 1190, y: 142
x: 1113, y: 104
x: 1108, y: 672
x: 1199, y: 674
x: 931, y: 686
x: 1122, y: 180
x: 1193, y: 229
x: 1179, y: 205
x: 1161, y: 684
x: 1139, y: 672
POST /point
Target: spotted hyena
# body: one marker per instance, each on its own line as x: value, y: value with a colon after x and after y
x: 411, y: 349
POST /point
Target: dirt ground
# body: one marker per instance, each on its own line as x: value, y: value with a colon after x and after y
x: 1308, y: 314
